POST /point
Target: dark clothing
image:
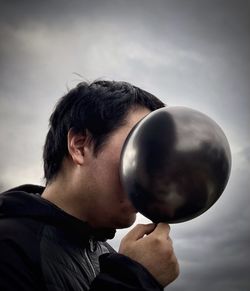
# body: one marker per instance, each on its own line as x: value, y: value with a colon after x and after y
x: 44, y: 248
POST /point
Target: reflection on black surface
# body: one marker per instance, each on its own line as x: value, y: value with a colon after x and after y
x: 175, y: 164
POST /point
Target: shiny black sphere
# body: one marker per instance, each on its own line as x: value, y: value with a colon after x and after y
x: 175, y: 164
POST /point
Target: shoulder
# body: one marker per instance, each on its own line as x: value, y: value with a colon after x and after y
x: 21, y: 234
x: 19, y: 255
x: 19, y: 226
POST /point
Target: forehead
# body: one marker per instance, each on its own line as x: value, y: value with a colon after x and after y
x: 135, y: 115
x: 116, y: 139
x: 132, y: 118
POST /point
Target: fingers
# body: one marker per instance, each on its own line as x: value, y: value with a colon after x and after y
x: 162, y: 230
x: 154, y: 251
x: 139, y: 231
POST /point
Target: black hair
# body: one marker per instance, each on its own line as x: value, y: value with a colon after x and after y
x: 98, y: 108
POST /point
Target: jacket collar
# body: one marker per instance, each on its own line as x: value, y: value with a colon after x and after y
x: 26, y: 201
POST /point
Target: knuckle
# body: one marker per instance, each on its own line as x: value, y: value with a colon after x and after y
x: 157, y: 241
x: 167, y: 226
x: 169, y: 245
x: 169, y: 251
x: 170, y: 241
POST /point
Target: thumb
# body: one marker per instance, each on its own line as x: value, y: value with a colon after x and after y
x: 139, y: 231
x: 161, y: 230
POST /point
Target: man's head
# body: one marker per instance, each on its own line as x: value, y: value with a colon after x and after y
x: 87, y: 130
x: 98, y: 109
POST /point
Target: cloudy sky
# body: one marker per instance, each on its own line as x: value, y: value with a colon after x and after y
x: 187, y: 52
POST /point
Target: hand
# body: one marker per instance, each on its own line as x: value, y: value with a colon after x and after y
x: 151, y: 246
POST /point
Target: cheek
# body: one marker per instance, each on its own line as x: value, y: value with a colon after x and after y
x: 108, y: 173
x: 108, y: 177
x: 114, y: 183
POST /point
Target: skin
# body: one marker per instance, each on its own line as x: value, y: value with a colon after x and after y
x: 89, y: 184
x: 151, y: 246
x: 88, y: 187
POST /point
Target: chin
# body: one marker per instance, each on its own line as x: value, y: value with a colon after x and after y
x: 127, y: 222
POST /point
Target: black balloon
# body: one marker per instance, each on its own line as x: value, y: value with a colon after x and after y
x: 175, y: 164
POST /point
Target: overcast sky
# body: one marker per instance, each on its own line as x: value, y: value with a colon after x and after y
x: 187, y: 52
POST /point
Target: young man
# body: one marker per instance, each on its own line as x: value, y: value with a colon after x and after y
x: 54, y: 238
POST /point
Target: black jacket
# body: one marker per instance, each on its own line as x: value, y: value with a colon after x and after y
x: 44, y: 248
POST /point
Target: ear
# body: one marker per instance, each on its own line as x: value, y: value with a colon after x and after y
x: 78, y: 146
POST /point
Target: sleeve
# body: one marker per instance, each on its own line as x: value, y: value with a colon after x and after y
x: 15, y: 271
x: 118, y: 272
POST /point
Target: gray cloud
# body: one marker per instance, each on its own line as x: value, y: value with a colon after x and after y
x: 193, y: 53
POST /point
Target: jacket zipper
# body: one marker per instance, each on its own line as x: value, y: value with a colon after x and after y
x: 89, y: 261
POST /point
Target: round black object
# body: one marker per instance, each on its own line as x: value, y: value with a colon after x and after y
x: 175, y: 164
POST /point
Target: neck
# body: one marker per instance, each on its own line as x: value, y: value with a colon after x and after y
x: 64, y: 193
x: 61, y: 194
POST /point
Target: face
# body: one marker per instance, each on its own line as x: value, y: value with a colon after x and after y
x: 111, y: 207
